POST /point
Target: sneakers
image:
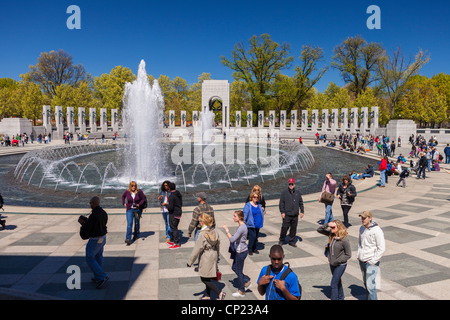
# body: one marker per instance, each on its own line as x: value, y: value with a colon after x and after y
x: 247, y: 285
x: 174, y: 246
x: 239, y: 294
x: 101, y: 283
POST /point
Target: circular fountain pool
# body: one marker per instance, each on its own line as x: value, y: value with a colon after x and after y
x: 69, y: 176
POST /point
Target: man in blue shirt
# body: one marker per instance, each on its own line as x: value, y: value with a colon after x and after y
x: 271, y: 285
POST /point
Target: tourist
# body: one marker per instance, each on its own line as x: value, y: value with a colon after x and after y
x: 371, y: 246
x: 277, y: 281
x: 422, y: 165
x: 254, y: 219
x: 405, y: 173
x: 239, y: 248
x: 290, y: 204
x: 368, y: 173
x: 346, y: 193
x: 338, y: 251
x: 202, y: 208
x: 207, y: 249
x: 447, y: 153
x: 174, y: 206
x: 261, y: 199
x: 94, y: 228
x: 383, y: 167
x: 435, y: 166
x: 133, y: 199
x: 163, y: 198
x: 329, y: 186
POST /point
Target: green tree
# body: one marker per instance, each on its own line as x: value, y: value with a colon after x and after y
x: 53, y: 69
x: 395, y: 72
x: 110, y: 88
x: 358, y: 62
x: 258, y: 66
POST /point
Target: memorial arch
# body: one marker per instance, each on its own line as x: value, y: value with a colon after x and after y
x: 213, y: 93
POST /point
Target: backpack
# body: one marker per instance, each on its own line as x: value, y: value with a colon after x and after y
x: 284, y: 275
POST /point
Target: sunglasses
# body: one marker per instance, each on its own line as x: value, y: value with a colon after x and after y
x: 291, y: 184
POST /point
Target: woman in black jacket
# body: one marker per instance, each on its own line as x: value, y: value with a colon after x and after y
x: 346, y: 193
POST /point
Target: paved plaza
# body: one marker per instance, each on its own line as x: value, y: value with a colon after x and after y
x: 39, y: 245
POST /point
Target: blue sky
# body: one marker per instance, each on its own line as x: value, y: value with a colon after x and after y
x: 187, y: 38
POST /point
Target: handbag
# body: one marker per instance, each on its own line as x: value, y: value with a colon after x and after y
x: 327, y: 197
x: 327, y: 250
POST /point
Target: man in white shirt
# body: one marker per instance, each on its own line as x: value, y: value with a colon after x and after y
x: 371, y: 247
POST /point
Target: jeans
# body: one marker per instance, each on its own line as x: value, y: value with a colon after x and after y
x: 369, y: 273
x: 345, y: 210
x: 94, y: 257
x: 382, y: 177
x: 337, y: 291
x: 238, y: 268
x: 421, y: 171
x: 429, y: 164
x: 165, y: 215
x: 328, y: 213
x: 131, y: 215
x: 447, y: 159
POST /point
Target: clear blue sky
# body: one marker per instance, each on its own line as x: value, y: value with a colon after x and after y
x: 187, y: 38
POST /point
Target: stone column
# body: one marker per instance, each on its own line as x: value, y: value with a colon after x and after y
x: 195, y: 119
x: 304, y: 126
x: 344, y: 120
x: 115, y: 120
x: 334, y: 120
x: 364, y: 116
x: 294, y: 120
x: 103, y: 120
x: 238, y: 120
x: 354, y: 120
x: 314, y: 120
x: 70, y: 115
x: 324, y: 120
x: 171, y: 118
x: 261, y: 119
x: 183, y: 119
x: 249, y: 119
x: 59, y: 122
x: 82, y: 120
x: 47, y: 119
x: 272, y: 119
x: 93, y: 119
x: 283, y: 120
x: 374, y: 117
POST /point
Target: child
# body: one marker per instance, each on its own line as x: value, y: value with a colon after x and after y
x: 403, y: 175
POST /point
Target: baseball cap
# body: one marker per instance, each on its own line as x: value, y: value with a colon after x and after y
x: 366, y: 214
x: 291, y: 180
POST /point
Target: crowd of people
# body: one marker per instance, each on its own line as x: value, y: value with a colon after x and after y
x: 276, y: 281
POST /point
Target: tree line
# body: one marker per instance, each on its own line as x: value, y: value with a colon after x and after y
x: 372, y: 77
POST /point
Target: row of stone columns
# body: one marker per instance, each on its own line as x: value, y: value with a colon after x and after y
x: 69, y: 121
x: 337, y: 120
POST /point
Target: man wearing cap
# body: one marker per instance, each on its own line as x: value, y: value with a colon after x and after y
x: 371, y: 247
x: 291, y: 203
x: 202, y: 207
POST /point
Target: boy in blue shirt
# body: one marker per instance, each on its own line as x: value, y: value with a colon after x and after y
x: 271, y: 285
